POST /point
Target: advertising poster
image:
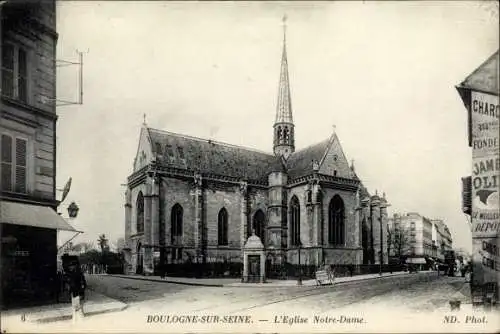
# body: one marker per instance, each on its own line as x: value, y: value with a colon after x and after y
x: 486, y: 260
x: 485, y: 165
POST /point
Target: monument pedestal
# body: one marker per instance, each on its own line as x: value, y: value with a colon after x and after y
x: 254, y: 261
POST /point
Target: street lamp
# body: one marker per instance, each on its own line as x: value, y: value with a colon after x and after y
x: 299, y: 278
x: 73, y: 210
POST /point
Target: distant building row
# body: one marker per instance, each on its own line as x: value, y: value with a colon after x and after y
x: 417, y: 236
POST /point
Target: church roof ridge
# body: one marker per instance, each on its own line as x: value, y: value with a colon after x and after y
x: 210, y: 141
x: 313, y: 145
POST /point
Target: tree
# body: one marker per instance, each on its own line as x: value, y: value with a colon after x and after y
x: 103, y: 243
x: 120, y: 244
x: 399, y: 240
x: 87, y: 246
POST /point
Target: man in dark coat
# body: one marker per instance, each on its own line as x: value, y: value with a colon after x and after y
x: 77, y: 286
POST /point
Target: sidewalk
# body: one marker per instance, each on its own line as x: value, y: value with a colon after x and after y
x: 235, y: 282
x: 312, y: 282
x: 95, y: 303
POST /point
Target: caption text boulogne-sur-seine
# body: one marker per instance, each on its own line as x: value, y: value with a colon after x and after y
x: 247, y: 319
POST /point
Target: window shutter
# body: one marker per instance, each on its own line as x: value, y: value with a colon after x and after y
x: 467, y: 195
x: 22, y: 82
x: 21, y: 165
x: 8, y: 70
x: 6, y: 163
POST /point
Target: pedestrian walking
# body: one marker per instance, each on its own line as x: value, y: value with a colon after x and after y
x: 163, y: 271
x: 77, y: 286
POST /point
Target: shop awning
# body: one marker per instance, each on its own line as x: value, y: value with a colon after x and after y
x: 32, y: 215
x: 416, y: 260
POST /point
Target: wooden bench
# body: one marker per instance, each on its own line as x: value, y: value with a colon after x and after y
x: 324, y: 277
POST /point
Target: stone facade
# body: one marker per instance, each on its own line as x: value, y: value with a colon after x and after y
x: 28, y: 119
x: 308, y: 199
x: 29, y: 77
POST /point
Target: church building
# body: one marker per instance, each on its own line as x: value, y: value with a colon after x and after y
x: 193, y: 199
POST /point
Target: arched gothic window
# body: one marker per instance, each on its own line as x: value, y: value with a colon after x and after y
x: 295, y: 221
x: 336, y: 224
x: 139, y: 205
x: 280, y: 135
x: 222, y: 227
x: 258, y: 224
x: 176, y: 225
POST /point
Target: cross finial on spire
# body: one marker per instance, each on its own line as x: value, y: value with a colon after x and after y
x: 284, y: 27
x: 334, y: 127
x: 144, y: 117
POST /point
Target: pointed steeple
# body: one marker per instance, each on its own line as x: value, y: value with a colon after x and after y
x: 284, y: 107
x: 284, y: 137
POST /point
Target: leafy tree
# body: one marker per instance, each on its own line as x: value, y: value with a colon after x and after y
x: 87, y: 246
x: 398, y: 239
x: 120, y: 244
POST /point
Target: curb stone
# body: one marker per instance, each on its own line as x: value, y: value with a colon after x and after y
x: 145, y: 278
x: 70, y: 316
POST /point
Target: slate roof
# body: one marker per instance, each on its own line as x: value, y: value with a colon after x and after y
x: 485, y: 77
x: 212, y: 157
x: 300, y: 162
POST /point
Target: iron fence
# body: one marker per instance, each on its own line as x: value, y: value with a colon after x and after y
x: 205, y: 270
x: 273, y: 271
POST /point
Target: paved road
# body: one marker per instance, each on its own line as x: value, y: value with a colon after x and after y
x: 421, y: 291
x: 409, y: 303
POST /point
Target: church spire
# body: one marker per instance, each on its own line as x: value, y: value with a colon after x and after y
x: 284, y: 138
x: 284, y: 107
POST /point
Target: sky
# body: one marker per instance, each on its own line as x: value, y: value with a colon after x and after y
x: 384, y: 73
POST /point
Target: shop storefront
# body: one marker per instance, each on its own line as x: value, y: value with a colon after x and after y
x: 29, y: 253
x: 480, y: 94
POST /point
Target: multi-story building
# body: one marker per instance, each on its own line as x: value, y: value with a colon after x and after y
x: 420, y: 237
x: 442, y: 239
x: 480, y: 194
x: 28, y: 218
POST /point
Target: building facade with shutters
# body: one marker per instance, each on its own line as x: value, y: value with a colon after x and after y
x: 192, y: 199
x: 28, y: 217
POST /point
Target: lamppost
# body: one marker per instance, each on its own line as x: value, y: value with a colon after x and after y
x: 73, y: 210
x: 299, y: 278
x: 72, y: 213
